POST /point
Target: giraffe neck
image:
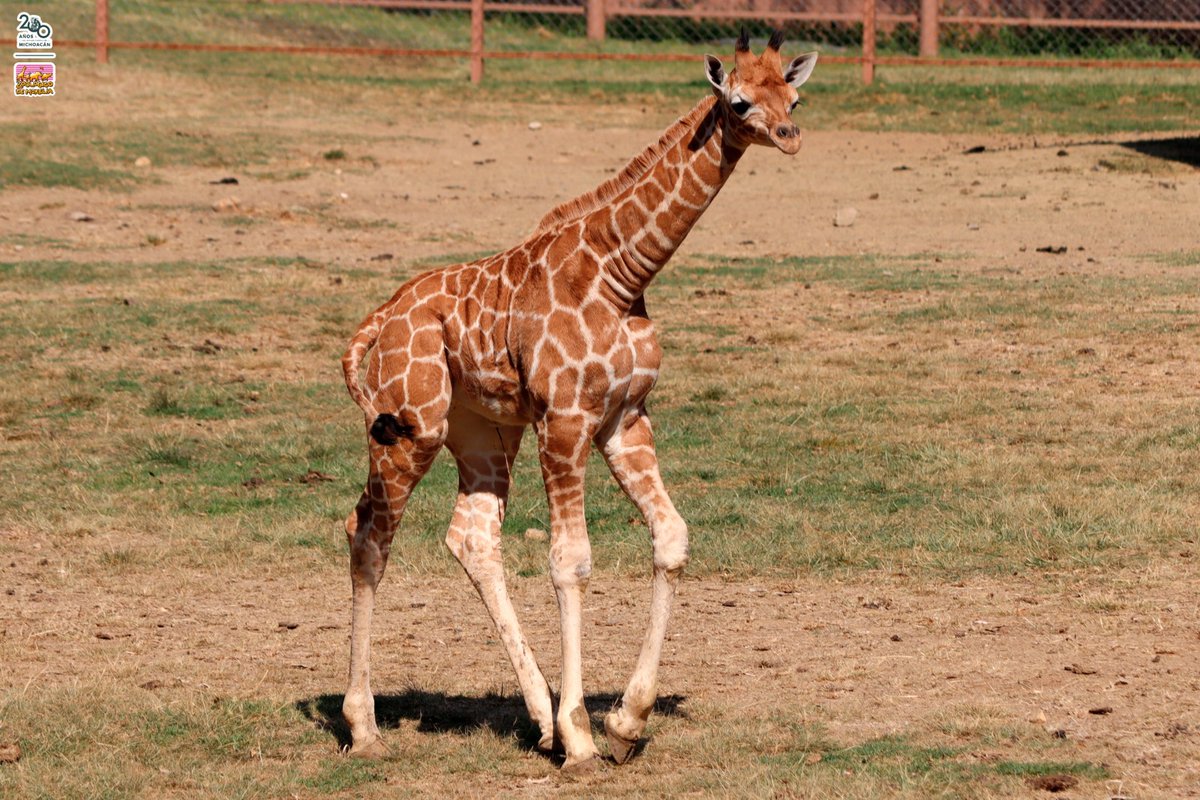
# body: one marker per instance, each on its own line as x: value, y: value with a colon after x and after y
x: 644, y: 225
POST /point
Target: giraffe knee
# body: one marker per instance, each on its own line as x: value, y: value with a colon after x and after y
x: 671, y: 549
x: 370, y: 543
x: 359, y: 517
x: 367, y: 562
x: 474, y: 533
x: 472, y: 547
x: 570, y: 562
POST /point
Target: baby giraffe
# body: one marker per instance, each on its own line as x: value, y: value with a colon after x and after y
x: 551, y: 333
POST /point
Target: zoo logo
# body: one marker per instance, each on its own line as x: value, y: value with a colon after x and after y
x: 32, y: 33
x: 34, y: 78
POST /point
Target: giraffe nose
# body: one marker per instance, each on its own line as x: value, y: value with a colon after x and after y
x: 787, y: 131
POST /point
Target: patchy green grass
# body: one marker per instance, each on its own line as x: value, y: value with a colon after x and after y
x: 85, y: 155
x: 132, y: 744
x: 1183, y: 258
x: 901, y: 766
x: 17, y: 168
x: 950, y: 100
x: 896, y: 444
x: 167, y: 741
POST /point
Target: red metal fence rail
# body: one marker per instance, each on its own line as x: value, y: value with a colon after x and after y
x: 1041, y: 33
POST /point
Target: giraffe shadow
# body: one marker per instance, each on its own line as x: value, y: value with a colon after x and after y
x: 439, y: 712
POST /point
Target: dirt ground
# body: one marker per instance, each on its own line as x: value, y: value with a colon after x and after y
x: 871, y: 655
x: 483, y: 177
x: 868, y: 657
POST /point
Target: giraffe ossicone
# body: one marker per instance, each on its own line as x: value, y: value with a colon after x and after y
x: 551, y: 333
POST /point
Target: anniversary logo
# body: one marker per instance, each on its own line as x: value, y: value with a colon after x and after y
x: 34, y: 74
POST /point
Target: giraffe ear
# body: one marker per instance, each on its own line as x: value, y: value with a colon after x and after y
x: 715, y: 72
x: 801, y: 67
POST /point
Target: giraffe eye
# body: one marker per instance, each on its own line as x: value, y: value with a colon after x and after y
x: 740, y: 106
x: 792, y: 107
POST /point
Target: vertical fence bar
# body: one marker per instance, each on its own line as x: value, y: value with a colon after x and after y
x: 868, y: 42
x: 102, y: 31
x: 929, y: 28
x: 476, y: 41
x: 597, y: 16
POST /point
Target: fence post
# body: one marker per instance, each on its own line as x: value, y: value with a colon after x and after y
x: 102, y: 31
x: 929, y: 28
x: 596, y: 19
x: 868, y: 42
x: 476, y: 41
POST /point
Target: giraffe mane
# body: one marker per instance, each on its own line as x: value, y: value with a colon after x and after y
x: 637, y: 167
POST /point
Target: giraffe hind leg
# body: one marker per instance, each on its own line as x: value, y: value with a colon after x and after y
x: 422, y: 402
x: 369, y: 532
x: 370, y: 528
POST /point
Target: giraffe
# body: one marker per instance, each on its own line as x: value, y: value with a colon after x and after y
x: 552, y: 333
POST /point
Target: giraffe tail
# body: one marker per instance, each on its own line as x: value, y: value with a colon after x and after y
x: 385, y: 428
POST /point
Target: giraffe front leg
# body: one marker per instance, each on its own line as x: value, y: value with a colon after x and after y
x: 485, y: 452
x: 629, y: 451
x: 474, y: 539
x: 563, y: 443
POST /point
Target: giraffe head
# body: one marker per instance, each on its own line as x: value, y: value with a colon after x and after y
x: 760, y: 94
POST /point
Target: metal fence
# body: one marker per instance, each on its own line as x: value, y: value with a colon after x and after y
x: 1157, y: 33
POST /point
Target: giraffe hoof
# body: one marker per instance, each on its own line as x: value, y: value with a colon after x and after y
x: 619, y: 747
x: 546, y: 743
x: 582, y: 767
x: 373, y: 750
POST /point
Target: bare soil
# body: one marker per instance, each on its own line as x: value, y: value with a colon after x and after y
x: 871, y: 656
x: 482, y: 178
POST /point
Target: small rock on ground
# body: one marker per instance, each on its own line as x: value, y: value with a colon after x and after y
x: 845, y: 217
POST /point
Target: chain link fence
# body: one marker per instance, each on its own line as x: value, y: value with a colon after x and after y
x: 1158, y: 30
x: 1041, y: 32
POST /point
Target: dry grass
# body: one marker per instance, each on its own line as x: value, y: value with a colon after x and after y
x: 195, y: 745
x: 904, y: 415
x: 909, y: 414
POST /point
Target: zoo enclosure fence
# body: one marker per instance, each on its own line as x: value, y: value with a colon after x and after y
x: 1041, y: 33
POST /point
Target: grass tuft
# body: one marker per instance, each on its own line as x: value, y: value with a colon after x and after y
x: 22, y: 171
